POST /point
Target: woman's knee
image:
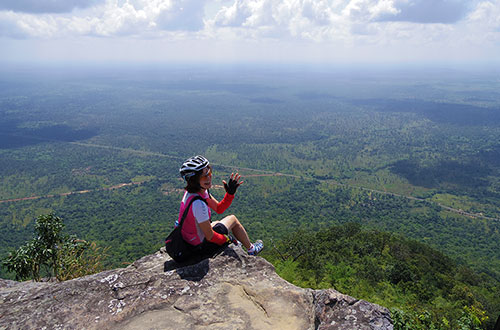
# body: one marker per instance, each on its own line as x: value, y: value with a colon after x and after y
x: 231, y: 221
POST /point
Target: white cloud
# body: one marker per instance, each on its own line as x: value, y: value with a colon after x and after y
x: 242, y: 13
x: 113, y: 18
x: 317, y: 20
x: 45, y: 6
x: 487, y: 15
x: 184, y: 15
x: 375, y: 26
x: 147, y: 18
x: 22, y: 26
x: 10, y: 27
x: 367, y: 10
x: 276, y: 19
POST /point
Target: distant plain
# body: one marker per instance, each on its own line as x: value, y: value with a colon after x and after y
x: 410, y: 151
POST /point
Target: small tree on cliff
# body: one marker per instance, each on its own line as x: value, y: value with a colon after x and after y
x: 60, y: 255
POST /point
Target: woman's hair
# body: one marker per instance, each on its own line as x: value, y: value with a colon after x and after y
x: 193, y: 182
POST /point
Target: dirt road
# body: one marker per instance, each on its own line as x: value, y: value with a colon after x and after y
x: 121, y: 185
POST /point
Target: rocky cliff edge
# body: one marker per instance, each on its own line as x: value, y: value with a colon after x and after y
x: 230, y: 291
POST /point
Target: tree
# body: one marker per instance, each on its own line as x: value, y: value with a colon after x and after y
x: 61, y: 256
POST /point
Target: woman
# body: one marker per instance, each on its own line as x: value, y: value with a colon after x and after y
x: 197, y: 229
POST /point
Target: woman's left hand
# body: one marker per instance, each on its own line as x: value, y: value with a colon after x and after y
x: 233, y: 183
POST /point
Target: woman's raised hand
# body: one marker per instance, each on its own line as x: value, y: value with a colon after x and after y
x: 234, y: 183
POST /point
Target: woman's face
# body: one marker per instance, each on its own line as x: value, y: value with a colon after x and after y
x: 206, y: 178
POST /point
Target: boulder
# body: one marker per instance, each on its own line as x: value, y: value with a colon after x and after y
x: 229, y: 291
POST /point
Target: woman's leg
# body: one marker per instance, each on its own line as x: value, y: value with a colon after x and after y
x: 233, y: 224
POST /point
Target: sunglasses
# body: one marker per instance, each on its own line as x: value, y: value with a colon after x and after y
x: 208, y: 173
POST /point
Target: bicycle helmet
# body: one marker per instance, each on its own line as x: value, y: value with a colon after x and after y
x: 193, y: 165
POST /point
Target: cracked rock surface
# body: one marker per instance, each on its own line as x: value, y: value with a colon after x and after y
x: 229, y: 291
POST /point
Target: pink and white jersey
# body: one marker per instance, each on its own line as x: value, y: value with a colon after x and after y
x: 199, y: 212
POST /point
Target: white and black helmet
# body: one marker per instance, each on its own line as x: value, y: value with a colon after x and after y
x: 193, y: 165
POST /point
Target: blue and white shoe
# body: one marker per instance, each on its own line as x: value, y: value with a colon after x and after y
x: 257, y: 247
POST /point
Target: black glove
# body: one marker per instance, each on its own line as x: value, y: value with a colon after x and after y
x: 231, y: 186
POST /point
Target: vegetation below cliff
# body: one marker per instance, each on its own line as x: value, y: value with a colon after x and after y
x: 424, y: 288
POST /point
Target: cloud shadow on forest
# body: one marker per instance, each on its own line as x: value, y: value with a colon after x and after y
x: 444, y: 173
x: 201, y: 85
x: 439, y: 112
x: 12, y: 136
x: 491, y: 155
x: 265, y: 100
x: 312, y: 96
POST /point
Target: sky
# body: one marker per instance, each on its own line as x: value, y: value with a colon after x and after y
x: 226, y: 31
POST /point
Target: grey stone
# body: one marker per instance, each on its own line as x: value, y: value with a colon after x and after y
x: 229, y: 291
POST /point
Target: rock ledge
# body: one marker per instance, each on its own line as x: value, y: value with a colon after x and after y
x: 230, y: 291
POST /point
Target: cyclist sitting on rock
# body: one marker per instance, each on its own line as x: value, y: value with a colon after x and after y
x: 198, y: 230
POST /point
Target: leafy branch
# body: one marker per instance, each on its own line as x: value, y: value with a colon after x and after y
x: 61, y: 256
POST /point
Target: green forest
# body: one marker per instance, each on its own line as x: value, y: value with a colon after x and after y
x: 391, y: 172
x: 392, y: 271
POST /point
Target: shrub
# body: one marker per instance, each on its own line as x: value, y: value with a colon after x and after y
x: 61, y: 256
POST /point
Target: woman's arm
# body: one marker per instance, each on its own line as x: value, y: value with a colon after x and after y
x: 211, y: 235
x: 221, y: 206
x: 212, y: 202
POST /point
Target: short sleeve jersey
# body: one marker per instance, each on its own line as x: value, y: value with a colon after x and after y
x: 200, y: 212
x: 199, y: 208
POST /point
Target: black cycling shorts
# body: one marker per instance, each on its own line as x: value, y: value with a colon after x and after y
x: 208, y: 248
